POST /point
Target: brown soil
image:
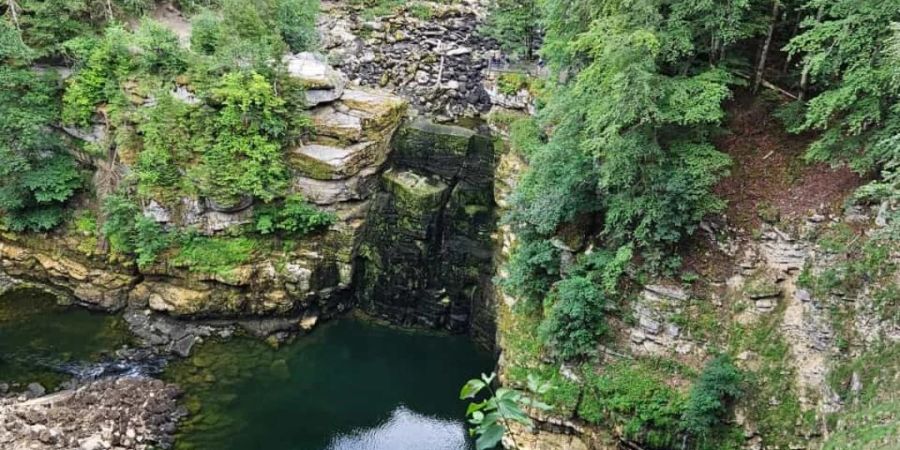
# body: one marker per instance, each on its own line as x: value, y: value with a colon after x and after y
x: 769, y: 173
x: 769, y: 178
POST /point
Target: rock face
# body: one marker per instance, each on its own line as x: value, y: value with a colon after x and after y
x: 51, y: 261
x: 338, y: 169
x: 121, y: 413
x: 426, y: 253
x: 434, y: 62
x: 411, y: 243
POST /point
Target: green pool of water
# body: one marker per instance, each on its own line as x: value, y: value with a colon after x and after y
x: 349, y: 385
x: 39, y: 338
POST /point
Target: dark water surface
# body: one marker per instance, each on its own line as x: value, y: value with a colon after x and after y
x: 43, y: 341
x: 349, y: 385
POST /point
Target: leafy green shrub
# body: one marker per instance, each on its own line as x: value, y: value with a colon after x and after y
x: 160, y: 50
x: 169, y: 133
x: 149, y: 240
x: 294, y: 216
x: 632, y: 396
x: 205, y: 30
x: 574, y: 322
x: 525, y: 136
x: 297, y: 22
x: 37, y: 175
x: 128, y: 231
x: 119, y: 214
x: 512, y: 83
x: 531, y: 269
x: 214, y: 255
x: 706, y: 407
x: 105, y: 63
x: 245, y: 155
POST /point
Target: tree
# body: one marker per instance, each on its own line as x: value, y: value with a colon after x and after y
x: 718, y: 385
x: 514, y: 23
x: 846, y: 54
x: 37, y: 174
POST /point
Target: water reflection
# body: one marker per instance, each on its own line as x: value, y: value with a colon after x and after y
x: 405, y: 429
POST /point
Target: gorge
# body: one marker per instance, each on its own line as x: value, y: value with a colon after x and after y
x: 304, y: 224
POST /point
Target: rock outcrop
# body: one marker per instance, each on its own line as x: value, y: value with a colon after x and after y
x: 427, y: 248
x: 434, y: 59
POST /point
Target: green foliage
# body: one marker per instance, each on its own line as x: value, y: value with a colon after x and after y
x: 525, y: 136
x: 294, y: 217
x: 149, y: 240
x: 169, y: 130
x: 297, y: 22
x: 637, y: 90
x: 531, y: 270
x: 205, y: 30
x: 106, y: 62
x: 636, y: 398
x: 492, y: 416
x: 118, y: 227
x: 850, y: 54
x: 213, y: 255
x: 248, y: 35
x: 718, y: 385
x: 245, y: 155
x: 513, y: 23
x: 159, y: 51
x: 46, y: 25
x: 128, y: 231
x: 37, y: 175
x: 865, y: 423
x: 512, y: 83
x: 574, y: 320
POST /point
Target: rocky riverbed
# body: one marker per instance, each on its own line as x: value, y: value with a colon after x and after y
x: 130, y: 412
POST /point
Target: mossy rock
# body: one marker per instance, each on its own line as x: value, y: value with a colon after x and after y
x: 438, y: 149
x: 413, y: 193
x: 762, y: 287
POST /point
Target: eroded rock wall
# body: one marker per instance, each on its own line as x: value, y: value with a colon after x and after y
x: 427, y: 250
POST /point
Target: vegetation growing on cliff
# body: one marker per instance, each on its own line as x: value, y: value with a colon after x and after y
x: 622, y: 161
x: 211, y: 120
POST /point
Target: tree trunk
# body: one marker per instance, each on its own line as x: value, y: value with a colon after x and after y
x: 11, y: 4
x: 760, y: 68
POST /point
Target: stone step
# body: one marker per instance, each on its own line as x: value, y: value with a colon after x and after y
x: 325, y: 162
x: 329, y: 192
x: 342, y: 126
